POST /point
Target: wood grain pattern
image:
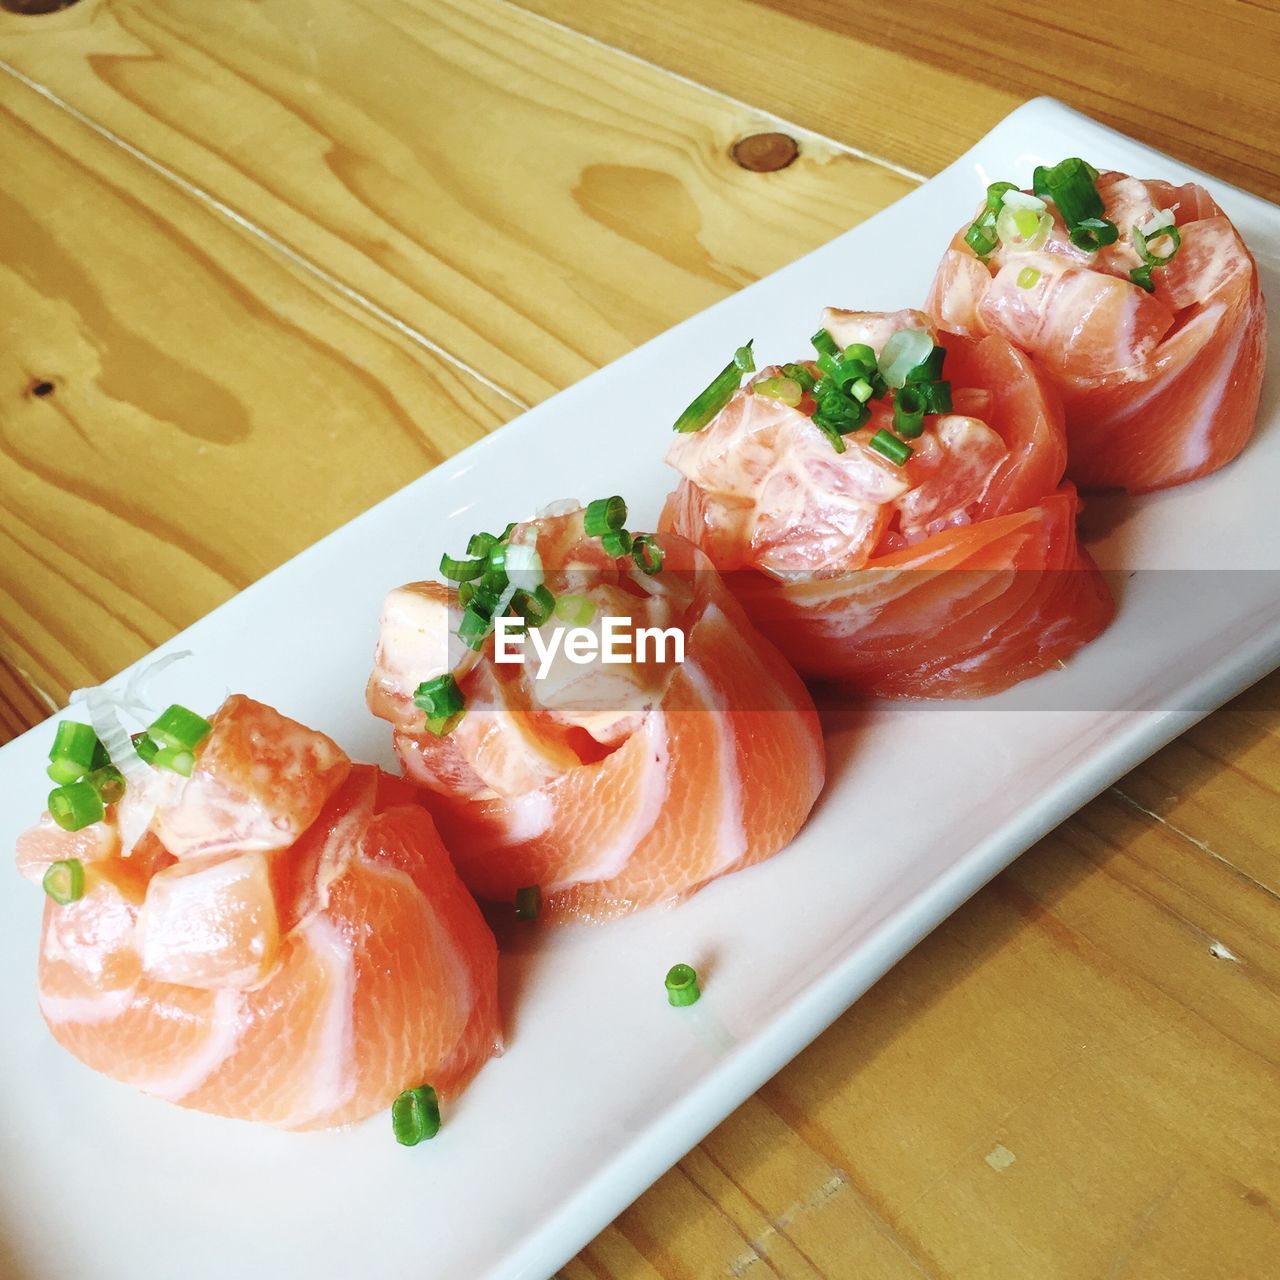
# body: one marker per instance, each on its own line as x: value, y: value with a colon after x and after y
x: 884, y: 101
x: 213, y: 408
x: 920, y: 82
x: 537, y: 212
x: 1077, y: 1077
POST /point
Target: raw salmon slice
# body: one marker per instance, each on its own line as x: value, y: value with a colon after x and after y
x: 955, y: 575
x: 303, y: 985
x: 1159, y: 387
x: 609, y: 787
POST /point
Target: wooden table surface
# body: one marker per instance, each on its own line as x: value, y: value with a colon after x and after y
x: 263, y: 261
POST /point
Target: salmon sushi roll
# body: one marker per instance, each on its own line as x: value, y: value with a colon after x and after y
x: 894, y: 531
x: 249, y: 924
x: 590, y: 786
x: 1139, y: 302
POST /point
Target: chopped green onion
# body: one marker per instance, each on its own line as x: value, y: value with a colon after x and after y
x: 64, y: 881
x: 535, y: 606
x: 474, y: 625
x: 800, y: 373
x: 1092, y: 234
x: 176, y: 760
x: 825, y: 344
x: 861, y: 390
x: 786, y: 390
x: 481, y: 544
x: 146, y: 749
x: 682, y: 985
x: 1070, y: 185
x: 647, y: 554
x: 415, y: 1116
x: 718, y: 393
x: 443, y: 726
x: 996, y: 193
x: 981, y: 236
x: 179, y: 728
x: 528, y: 902
x: 65, y: 770
x: 75, y: 805
x: 75, y: 751
x: 829, y: 365
x: 1028, y: 277
x: 838, y: 413
x: 836, y: 439
x: 617, y: 542
x: 108, y: 782
x: 1027, y: 222
x: 908, y: 412
x: 936, y: 395
x: 439, y: 697
x: 860, y: 353
x: 856, y: 363
x: 1142, y: 243
x: 844, y: 373
x: 1022, y: 229
x: 460, y: 570
x: 604, y: 514
x: 889, y: 446
x: 930, y: 368
x: 577, y: 611
x: 1141, y: 276
x: 488, y: 591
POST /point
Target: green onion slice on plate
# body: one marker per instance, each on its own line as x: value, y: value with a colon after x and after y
x: 682, y: 985
x: 415, y: 1116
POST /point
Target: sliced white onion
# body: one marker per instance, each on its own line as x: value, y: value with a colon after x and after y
x: 906, y: 349
x: 137, y: 690
x: 1011, y: 237
x: 523, y: 565
x: 1158, y: 222
x: 103, y: 708
x: 504, y: 601
x: 105, y: 705
x: 1021, y: 200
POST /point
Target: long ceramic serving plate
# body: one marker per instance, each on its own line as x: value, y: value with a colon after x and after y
x: 603, y: 1086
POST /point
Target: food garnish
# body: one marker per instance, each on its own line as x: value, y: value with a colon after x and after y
x: 718, y: 393
x: 682, y: 985
x: 415, y: 1116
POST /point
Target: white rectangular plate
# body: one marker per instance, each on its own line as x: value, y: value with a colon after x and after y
x: 603, y: 1086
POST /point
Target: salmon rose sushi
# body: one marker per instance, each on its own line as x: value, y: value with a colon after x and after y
x: 1139, y: 302
x: 251, y: 925
x: 893, y: 515
x: 648, y: 741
